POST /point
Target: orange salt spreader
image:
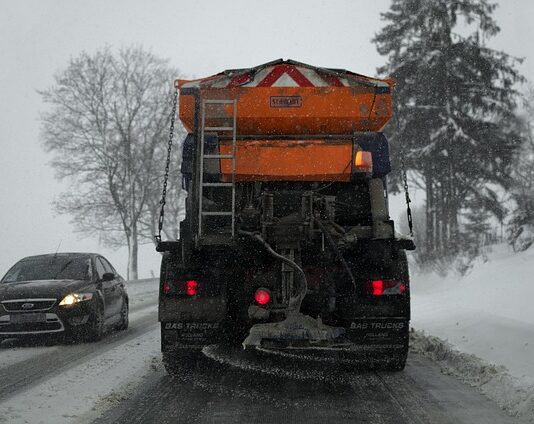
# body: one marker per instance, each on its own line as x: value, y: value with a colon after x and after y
x: 294, y: 122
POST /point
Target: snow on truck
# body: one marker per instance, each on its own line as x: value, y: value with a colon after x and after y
x: 287, y: 241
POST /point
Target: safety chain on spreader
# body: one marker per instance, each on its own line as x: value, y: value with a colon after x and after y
x: 167, y: 167
x: 407, y: 194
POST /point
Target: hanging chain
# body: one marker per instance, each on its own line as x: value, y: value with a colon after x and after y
x: 167, y: 167
x: 405, y: 179
x: 407, y: 194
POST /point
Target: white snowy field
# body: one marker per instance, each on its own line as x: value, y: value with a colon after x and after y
x: 488, y: 313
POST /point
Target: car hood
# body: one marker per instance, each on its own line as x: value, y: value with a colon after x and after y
x: 41, y: 289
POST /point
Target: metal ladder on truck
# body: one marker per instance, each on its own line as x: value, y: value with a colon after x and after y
x: 202, y: 214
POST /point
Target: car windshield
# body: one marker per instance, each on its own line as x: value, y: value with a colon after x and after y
x: 49, y: 268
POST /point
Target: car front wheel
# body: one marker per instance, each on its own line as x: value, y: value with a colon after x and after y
x: 96, y: 325
x: 123, y: 324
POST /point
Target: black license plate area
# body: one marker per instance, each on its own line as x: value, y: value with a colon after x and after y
x: 27, y: 318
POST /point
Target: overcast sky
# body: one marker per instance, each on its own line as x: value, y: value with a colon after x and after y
x: 200, y: 38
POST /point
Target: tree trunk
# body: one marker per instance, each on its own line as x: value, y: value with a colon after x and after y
x: 444, y: 219
x: 438, y: 213
x: 132, y: 253
x: 454, y: 209
x: 429, y: 213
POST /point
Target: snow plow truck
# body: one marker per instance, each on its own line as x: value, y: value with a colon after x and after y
x: 287, y: 241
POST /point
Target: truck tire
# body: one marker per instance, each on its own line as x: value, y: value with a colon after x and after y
x: 397, y: 362
x: 180, y: 362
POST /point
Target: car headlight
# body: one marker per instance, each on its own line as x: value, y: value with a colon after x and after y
x: 73, y: 298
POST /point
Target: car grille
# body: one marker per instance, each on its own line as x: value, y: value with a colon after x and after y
x: 28, y: 305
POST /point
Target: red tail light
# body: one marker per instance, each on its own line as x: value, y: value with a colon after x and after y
x: 191, y: 287
x: 386, y: 287
x: 262, y: 297
x: 166, y: 287
x: 377, y: 287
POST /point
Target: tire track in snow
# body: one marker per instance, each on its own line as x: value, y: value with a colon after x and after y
x: 230, y: 387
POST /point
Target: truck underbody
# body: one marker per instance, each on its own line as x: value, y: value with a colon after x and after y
x: 330, y: 241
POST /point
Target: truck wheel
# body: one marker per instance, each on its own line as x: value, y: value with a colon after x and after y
x: 403, y: 274
x: 397, y: 363
x: 180, y: 362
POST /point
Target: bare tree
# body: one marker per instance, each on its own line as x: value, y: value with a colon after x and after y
x: 107, y: 127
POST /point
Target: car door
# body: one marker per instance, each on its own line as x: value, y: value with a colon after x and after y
x: 118, y: 284
x: 107, y: 287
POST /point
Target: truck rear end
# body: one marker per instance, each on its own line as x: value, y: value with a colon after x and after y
x: 287, y: 241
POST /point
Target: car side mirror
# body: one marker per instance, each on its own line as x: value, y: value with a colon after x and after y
x: 108, y: 276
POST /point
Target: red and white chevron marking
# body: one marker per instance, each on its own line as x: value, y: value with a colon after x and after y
x: 283, y: 75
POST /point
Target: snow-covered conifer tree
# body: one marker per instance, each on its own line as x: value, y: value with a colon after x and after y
x: 455, y: 104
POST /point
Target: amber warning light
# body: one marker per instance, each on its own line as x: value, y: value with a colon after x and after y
x: 363, y: 161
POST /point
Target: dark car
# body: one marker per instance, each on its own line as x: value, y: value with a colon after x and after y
x: 79, y: 295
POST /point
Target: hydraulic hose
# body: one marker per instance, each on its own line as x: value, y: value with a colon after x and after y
x: 337, y: 227
x: 296, y: 301
x: 336, y: 251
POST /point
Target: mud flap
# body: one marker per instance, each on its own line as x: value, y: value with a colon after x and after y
x: 386, y: 335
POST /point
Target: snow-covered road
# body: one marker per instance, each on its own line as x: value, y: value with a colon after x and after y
x: 235, y: 386
x: 121, y: 379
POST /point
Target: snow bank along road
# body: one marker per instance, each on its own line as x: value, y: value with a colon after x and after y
x: 487, y: 313
x: 120, y: 379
